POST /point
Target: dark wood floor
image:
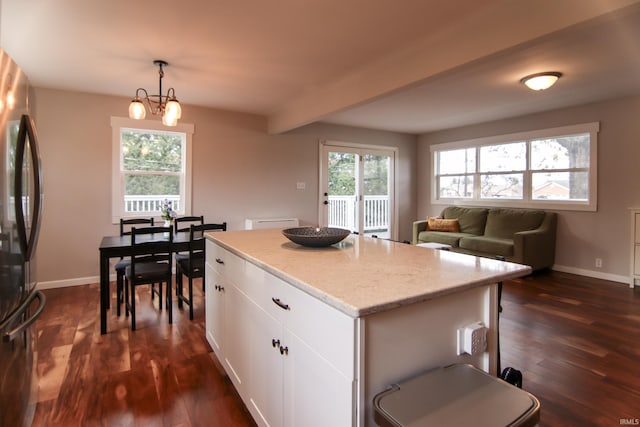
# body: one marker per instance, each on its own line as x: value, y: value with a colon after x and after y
x: 576, y: 340
x: 159, y: 375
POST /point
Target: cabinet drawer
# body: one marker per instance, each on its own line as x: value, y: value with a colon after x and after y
x: 223, y: 261
x: 326, y: 330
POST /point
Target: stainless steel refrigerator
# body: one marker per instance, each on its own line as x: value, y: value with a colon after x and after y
x: 20, y: 216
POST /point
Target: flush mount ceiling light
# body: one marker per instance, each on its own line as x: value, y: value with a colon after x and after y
x: 165, y: 105
x: 541, y: 81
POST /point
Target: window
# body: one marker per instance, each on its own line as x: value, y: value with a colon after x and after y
x: 550, y: 169
x: 150, y: 165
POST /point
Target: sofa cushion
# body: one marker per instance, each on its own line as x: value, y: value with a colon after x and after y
x: 470, y: 220
x: 504, y: 223
x: 441, y: 224
x: 445, y: 237
x: 489, y: 245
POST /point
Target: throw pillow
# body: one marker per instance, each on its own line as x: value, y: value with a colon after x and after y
x: 441, y: 224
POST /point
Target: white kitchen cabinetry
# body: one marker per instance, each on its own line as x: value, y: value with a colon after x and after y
x: 266, y: 394
x: 290, y: 356
x: 309, y: 336
x: 635, y: 247
x: 214, y: 309
x: 315, y: 393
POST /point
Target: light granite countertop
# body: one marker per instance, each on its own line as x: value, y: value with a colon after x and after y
x: 364, y: 275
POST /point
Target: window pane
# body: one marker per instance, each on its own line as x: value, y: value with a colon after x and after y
x: 560, y: 186
x: 560, y: 153
x: 151, y: 151
x: 457, y: 161
x: 503, y: 157
x: 376, y: 175
x: 342, y: 174
x: 146, y: 193
x: 502, y: 186
x: 460, y: 186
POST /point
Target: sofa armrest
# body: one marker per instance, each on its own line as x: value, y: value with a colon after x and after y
x: 418, y: 226
x: 537, y: 248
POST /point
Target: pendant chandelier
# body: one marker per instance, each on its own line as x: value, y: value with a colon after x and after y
x: 165, y: 105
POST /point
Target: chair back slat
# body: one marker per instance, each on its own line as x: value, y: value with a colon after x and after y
x: 196, y: 234
x: 182, y: 223
x: 126, y: 224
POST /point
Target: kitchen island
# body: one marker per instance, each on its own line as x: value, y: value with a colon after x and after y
x: 308, y: 336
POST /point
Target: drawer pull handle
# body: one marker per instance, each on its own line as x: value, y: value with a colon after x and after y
x: 284, y: 350
x: 275, y: 343
x: 280, y: 303
x: 219, y: 261
x: 219, y: 288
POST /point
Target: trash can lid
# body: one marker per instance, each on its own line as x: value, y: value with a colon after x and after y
x: 456, y: 395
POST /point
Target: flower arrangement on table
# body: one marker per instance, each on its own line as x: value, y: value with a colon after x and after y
x: 168, y: 214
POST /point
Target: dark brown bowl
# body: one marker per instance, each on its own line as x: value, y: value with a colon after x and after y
x: 315, y: 237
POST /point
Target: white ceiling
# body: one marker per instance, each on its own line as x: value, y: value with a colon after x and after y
x: 404, y: 65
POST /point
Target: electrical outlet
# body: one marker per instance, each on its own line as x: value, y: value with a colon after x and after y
x: 472, y: 339
x: 598, y: 262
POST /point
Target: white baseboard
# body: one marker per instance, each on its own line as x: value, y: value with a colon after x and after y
x: 75, y: 282
x: 591, y: 273
x: 563, y: 268
x: 71, y: 282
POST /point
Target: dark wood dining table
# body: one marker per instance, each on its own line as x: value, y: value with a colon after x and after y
x: 118, y: 247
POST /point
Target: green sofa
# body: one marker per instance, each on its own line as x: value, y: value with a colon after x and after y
x: 524, y: 236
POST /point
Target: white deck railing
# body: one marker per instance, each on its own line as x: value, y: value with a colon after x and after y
x: 342, y: 209
x: 342, y: 212
x: 140, y: 203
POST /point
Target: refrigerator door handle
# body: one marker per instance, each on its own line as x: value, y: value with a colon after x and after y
x: 11, y: 335
x: 27, y: 129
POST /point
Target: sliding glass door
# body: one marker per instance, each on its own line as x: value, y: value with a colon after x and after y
x: 356, y: 189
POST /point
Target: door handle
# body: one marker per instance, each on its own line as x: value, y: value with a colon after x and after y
x: 26, y: 131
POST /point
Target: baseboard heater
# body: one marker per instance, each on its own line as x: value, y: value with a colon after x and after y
x: 262, y: 223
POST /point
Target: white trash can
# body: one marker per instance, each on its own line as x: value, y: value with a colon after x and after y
x: 456, y: 395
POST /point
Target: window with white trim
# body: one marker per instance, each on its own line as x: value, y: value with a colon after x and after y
x: 547, y: 169
x: 151, y: 166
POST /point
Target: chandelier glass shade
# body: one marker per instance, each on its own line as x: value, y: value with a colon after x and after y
x: 165, y: 105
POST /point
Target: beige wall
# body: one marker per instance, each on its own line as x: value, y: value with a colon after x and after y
x: 239, y: 171
x: 582, y: 236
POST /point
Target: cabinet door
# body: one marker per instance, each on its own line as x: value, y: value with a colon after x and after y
x: 214, y: 310
x: 265, y: 400
x: 237, y: 337
x: 315, y: 393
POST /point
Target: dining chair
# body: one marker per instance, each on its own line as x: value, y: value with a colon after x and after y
x: 151, y: 263
x: 182, y: 223
x: 192, y: 265
x: 125, y: 230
